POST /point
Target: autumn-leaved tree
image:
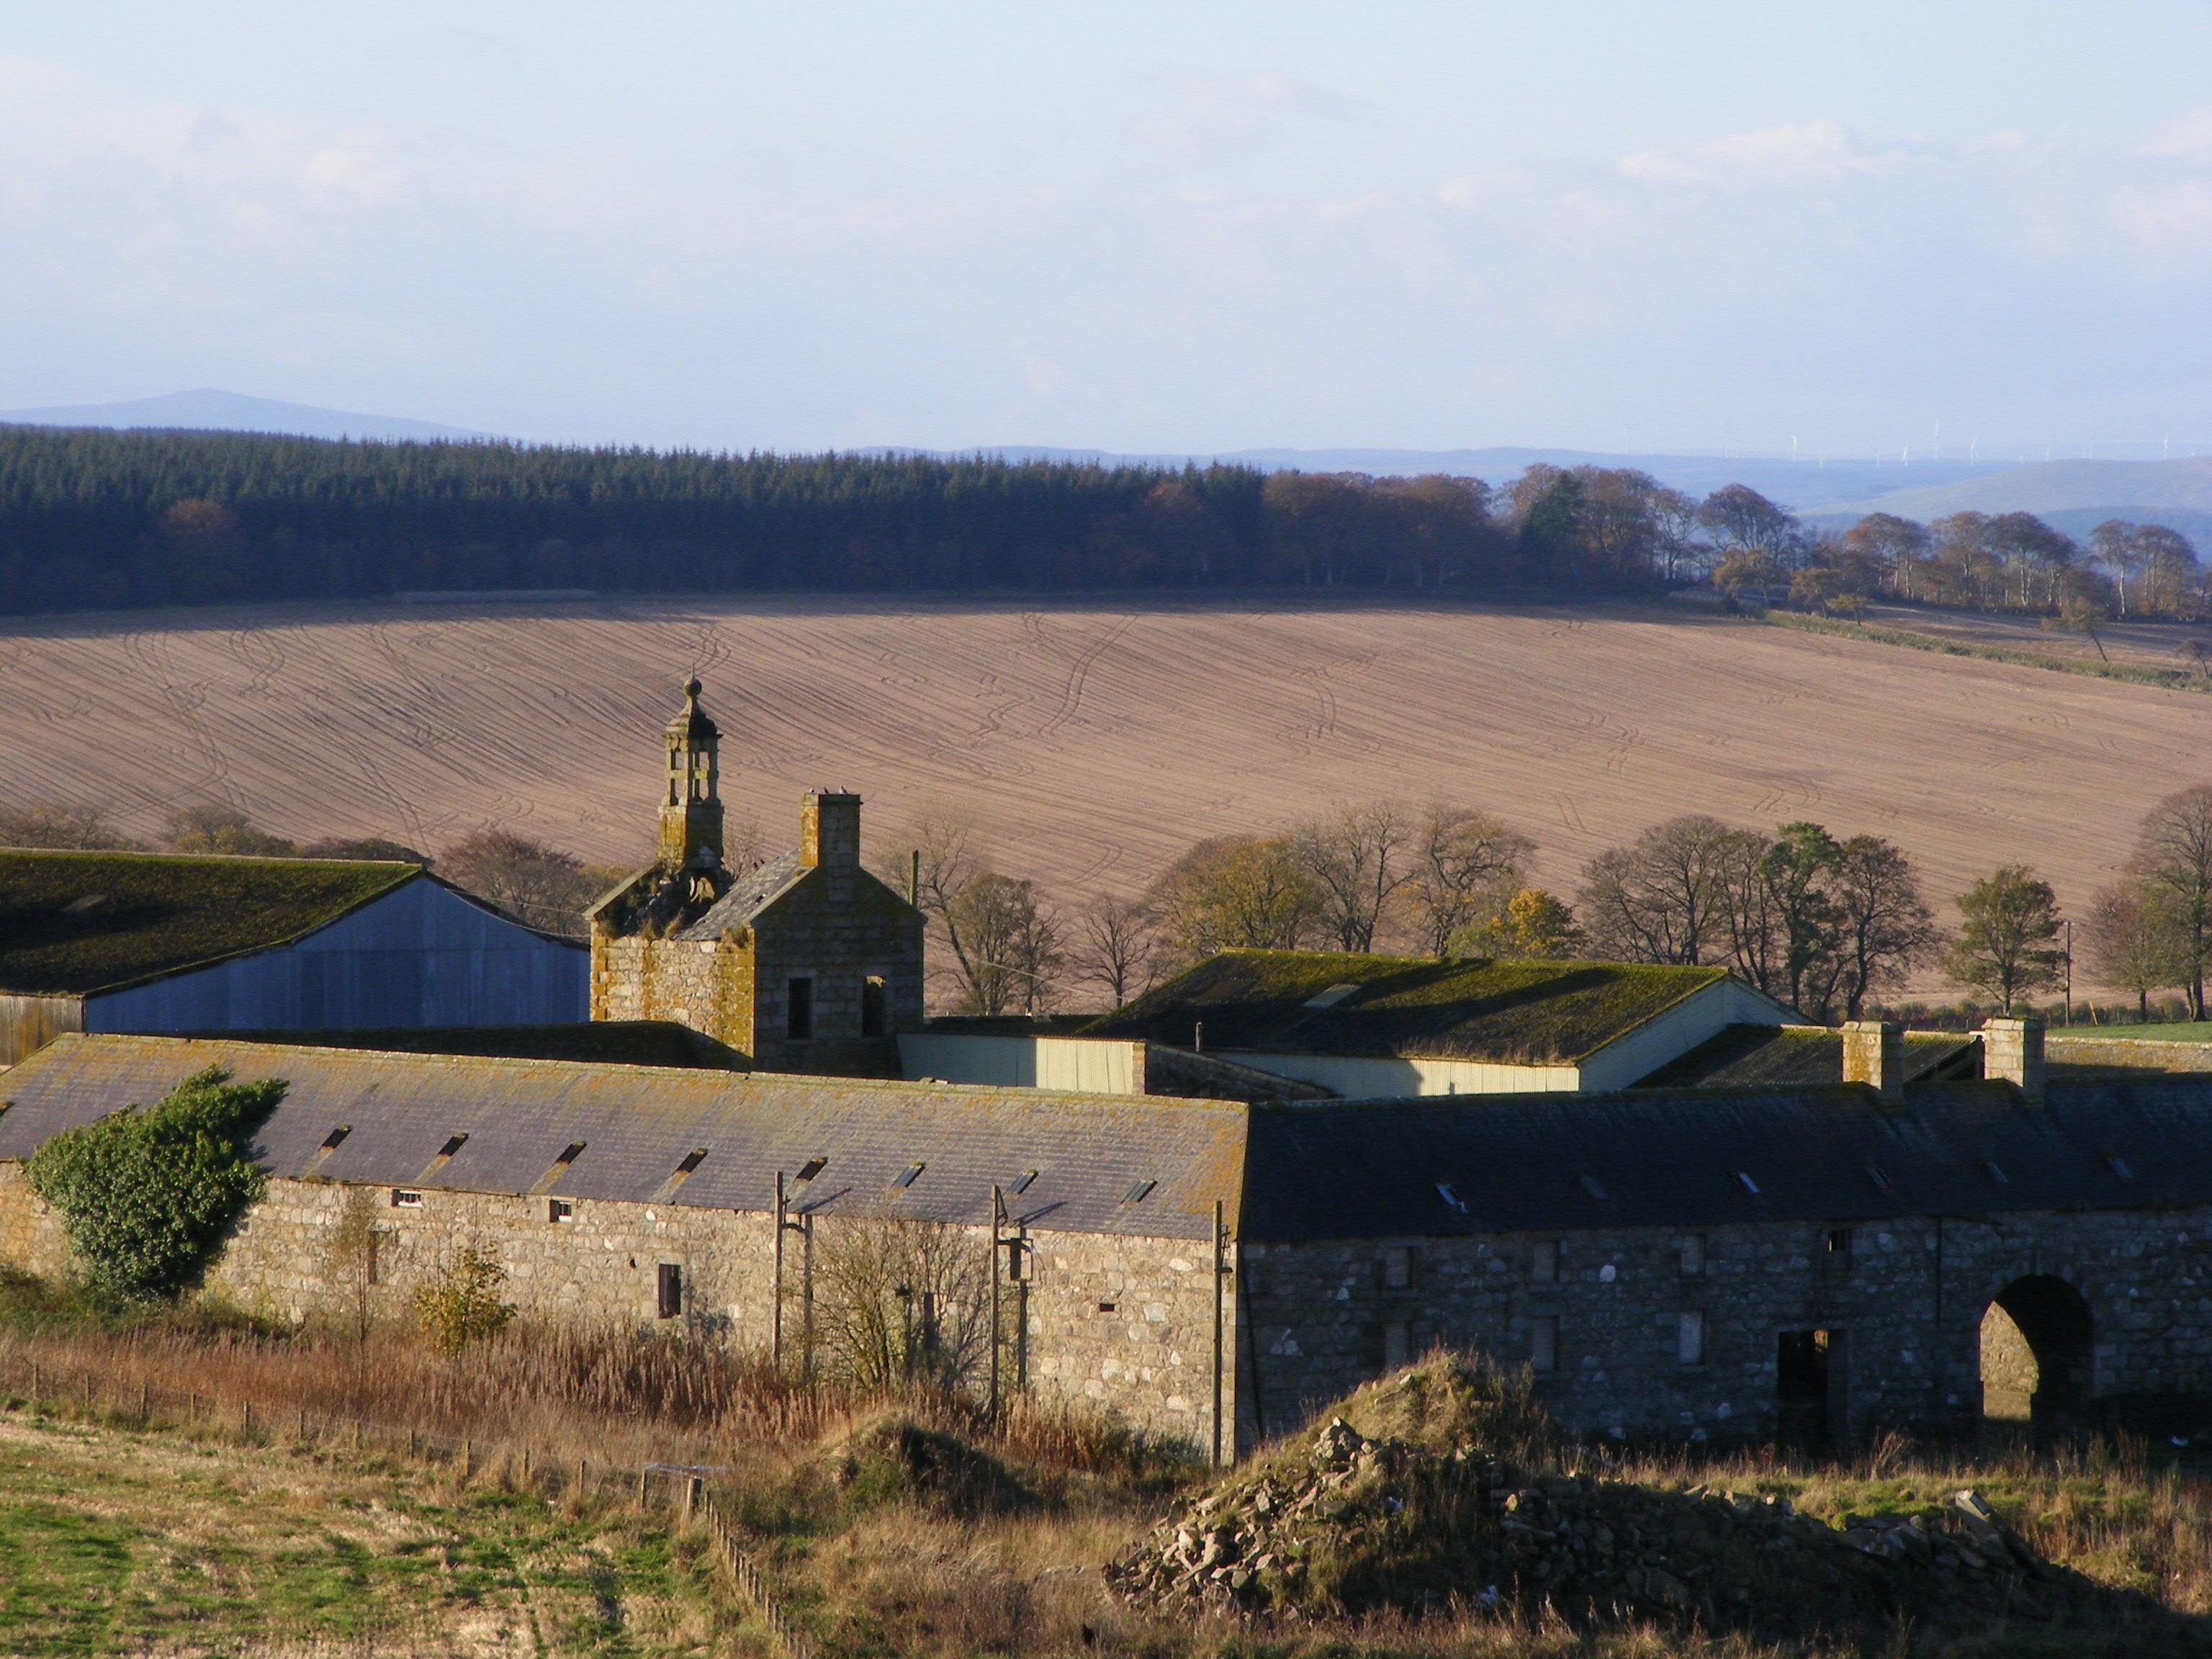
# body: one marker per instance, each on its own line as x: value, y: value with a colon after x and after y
x: 2006, y: 940
x: 2128, y: 943
x: 213, y: 826
x: 1234, y: 892
x: 2173, y: 863
x: 1531, y: 923
x: 1466, y: 866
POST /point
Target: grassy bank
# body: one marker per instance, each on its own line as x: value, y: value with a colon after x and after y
x: 2170, y: 679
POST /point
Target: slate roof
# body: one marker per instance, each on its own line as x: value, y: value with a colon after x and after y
x: 638, y: 1123
x: 748, y: 896
x: 1513, y: 1012
x: 1678, y: 1159
x: 73, y: 923
x: 1809, y: 1055
x: 608, y: 1041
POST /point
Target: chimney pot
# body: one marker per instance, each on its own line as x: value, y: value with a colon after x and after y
x: 1874, y: 1053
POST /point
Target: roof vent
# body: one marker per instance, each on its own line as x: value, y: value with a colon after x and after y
x: 1331, y: 997
x: 77, y: 907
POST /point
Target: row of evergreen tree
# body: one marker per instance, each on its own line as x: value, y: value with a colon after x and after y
x: 92, y: 518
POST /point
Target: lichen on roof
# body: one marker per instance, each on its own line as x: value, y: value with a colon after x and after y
x: 1799, y: 1055
x: 1514, y: 1013
x: 72, y: 923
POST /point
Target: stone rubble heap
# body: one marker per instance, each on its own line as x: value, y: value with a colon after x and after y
x: 1368, y: 1522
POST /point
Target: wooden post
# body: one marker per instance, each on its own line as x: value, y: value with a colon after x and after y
x: 1219, y: 1270
x: 775, y: 1329
x: 301, y: 1436
x: 246, y: 1420
x: 997, y: 1226
x: 640, y: 1486
x: 145, y: 1401
x: 468, y: 1460
x: 580, y: 1477
x: 87, y: 1393
x: 34, y: 1383
x: 806, y: 1294
x: 695, y: 1487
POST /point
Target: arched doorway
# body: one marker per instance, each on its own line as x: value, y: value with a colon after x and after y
x: 2036, y: 1339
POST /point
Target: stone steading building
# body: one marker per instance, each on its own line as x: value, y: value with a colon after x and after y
x: 807, y: 963
x: 1690, y: 1260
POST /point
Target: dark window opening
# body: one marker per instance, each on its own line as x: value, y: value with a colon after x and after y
x: 799, y: 1009
x: 402, y: 1199
x: 1809, y: 1394
x: 560, y: 1209
x: 875, y: 1015
x: 452, y: 1145
x: 811, y: 1168
x: 671, y: 1290
x: 575, y: 1150
x: 692, y: 1160
x: 1107, y: 1307
x: 336, y: 1135
x: 1839, y: 1242
x: 911, y: 1175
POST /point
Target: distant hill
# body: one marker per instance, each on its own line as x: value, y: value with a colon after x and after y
x: 1798, y: 485
x: 2074, y: 496
x: 211, y: 410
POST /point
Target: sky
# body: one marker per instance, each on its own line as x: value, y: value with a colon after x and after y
x: 1147, y: 227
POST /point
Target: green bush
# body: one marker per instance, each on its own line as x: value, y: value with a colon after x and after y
x: 461, y: 1305
x: 147, y: 1197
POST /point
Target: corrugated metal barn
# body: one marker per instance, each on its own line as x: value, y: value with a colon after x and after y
x: 157, y: 943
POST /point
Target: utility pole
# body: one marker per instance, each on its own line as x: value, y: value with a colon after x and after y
x: 1220, y: 1273
x: 998, y: 1227
x: 2068, y: 1018
x: 776, y: 1336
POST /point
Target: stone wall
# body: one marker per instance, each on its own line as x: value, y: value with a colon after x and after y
x: 1906, y: 1296
x: 706, y: 984
x: 1115, y: 1324
x: 839, y: 927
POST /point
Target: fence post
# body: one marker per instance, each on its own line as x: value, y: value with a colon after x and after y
x: 693, y: 1487
x: 640, y: 1486
x: 145, y: 1401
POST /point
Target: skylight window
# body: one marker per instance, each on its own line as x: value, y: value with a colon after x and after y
x: 1022, y: 1184
x: 77, y: 907
x: 2120, y: 1166
x: 1136, y: 1194
x: 692, y: 1160
x: 913, y: 1174
x: 1881, y: 1180
x: 1590, y: 1185
x: 1743, y: 1179
x: 337, y: 1135
x: 811, y: 1168
x: 1444, y: 1192
x: 1331, y: 997
x: 1990, y: 1169
x: 575, y: 1150
x: 452, y: 1145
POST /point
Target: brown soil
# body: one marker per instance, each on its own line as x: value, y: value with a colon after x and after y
x: 1091, y: 741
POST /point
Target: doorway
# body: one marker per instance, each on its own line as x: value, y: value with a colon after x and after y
x: 2037, y: 1348
x: 1810, y: 1411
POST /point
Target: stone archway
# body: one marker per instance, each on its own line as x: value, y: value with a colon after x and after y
x: 2037, y: 1345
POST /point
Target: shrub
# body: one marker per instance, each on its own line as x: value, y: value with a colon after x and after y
x: 147, y: 1197
x: 461, y: 1305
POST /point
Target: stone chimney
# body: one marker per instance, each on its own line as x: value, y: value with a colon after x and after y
x: 1874, y: 1053
x: 2012, y: 1049
x: 829, y: 830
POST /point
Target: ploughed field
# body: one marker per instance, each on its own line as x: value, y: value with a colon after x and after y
x: 1090, y: 741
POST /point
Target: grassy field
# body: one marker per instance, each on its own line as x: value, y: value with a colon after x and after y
x: 1092, y: 740
x: 889, y: 1526
x: 2187, y: 1031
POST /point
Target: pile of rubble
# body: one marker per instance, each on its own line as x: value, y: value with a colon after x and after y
x: 1359, y: 1523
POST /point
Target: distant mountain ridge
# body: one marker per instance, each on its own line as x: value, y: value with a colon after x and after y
x: 208, y: 410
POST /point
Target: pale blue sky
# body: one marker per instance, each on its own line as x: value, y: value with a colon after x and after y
x: 1138, y: 227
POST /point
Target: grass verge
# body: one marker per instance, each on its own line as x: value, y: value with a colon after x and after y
x: 2170, y: 679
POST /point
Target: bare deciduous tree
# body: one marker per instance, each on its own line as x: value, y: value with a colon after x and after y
x: 899, y: 1302
x: 2173, y: 859
x: 533, y: 883
x: 2129, y: 944
x: 215, y: 827
x: 58, y: 824
x: 1358, y: 859
x: 1466, y: 865
x: 1117, y: 946
x: 1663, y: 897
x: 1011, y: 955
x: 1883, y: 928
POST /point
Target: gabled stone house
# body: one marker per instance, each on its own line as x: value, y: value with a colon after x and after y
x: 807, y: 963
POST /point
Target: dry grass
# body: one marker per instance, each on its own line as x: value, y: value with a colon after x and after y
x: 1066, y: 727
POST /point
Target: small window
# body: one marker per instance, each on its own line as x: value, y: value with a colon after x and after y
x: 1331, y: 996
x: 1839, y: 1243
x: 812, y: 1167
x: 402, y: 1199
x: 1544, y: 1344
x: 1690, y: 1339
x: 671, y: 1300
x: 453, y: 1144
x: 1397, y: 1267
x: 1022, y: 1184
x: 560, y: 1209
x: 913, y: 1174
x: 1136, y: 1194
x: 1397, y: 1345
x: 1544, y: 1262
x: 1743, y: 1180
x: 1108, y: 1307
x: 331, y: 1140
x: 570, y: 1153
x: 692, y: 1160
x: 1690, y: 1253
x: 799, y: 1009
x: 875, y: 1009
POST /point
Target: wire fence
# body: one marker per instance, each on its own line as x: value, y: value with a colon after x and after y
x: 685, y: 1490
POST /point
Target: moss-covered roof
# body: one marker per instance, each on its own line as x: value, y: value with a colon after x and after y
x: 1747, y: 1056
x: 600, y: 1042
x: 1330, y: 1002
x: 72, y: 923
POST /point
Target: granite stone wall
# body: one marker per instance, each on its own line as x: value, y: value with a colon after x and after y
x: 1665, y: 1332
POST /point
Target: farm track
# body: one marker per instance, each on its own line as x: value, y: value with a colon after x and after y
x: 1092, y: 740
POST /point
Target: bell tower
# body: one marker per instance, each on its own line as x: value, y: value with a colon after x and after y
x: 692, y: 803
